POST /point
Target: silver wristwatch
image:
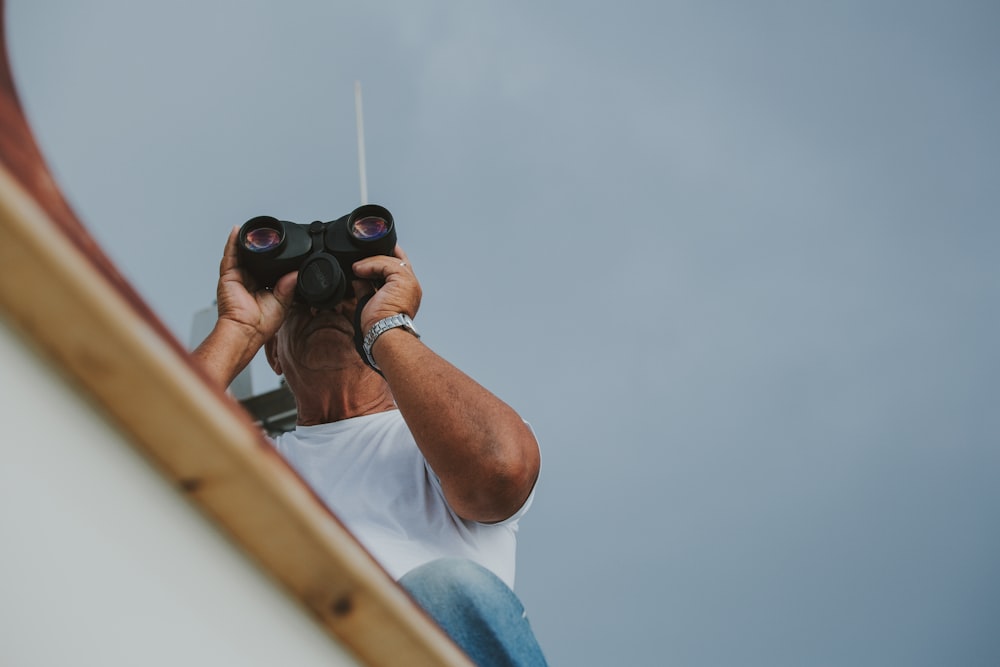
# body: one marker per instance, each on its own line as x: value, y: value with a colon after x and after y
x: 383, y: 325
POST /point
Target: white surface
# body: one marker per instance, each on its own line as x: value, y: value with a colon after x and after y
x: 104, y: 563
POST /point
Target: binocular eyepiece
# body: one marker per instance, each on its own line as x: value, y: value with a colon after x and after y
x: 322, y: 252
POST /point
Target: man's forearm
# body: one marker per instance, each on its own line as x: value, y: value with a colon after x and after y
x: 483, y: 452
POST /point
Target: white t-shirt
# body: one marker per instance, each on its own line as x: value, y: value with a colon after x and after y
x: 369, y: 471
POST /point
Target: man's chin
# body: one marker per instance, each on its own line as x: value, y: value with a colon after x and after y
x: 330, y: 335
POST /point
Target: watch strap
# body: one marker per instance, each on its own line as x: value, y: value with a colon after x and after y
x: 380, y: 327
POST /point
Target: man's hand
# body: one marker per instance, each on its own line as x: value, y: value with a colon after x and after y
x: 260, y: 311
x: 248, y: 317
x: 400, y: 291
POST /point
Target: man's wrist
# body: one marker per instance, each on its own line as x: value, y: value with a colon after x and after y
x: 397, y: 321
x: 226, y: 351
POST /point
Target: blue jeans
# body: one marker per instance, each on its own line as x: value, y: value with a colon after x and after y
x: 477, y: 610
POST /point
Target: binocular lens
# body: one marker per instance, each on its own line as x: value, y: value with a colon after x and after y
x: 369, y: 228
x: 262, y: 239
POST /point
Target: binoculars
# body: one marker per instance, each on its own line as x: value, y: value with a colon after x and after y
x: 322, y: 252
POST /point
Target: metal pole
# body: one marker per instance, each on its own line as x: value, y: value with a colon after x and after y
x: 361, y: 142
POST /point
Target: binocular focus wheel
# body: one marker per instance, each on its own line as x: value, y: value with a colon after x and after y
x: 321, y: 280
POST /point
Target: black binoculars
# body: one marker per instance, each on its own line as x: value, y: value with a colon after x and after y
x: 322, y: 252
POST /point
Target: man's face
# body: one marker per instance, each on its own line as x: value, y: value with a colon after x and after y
x: 315, y: 340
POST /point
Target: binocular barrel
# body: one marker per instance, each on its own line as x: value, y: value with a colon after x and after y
x: 322, y: 252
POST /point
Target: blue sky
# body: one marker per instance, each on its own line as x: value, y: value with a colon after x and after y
x: 735, y: 262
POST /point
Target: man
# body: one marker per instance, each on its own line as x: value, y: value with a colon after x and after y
x: 427, y: 468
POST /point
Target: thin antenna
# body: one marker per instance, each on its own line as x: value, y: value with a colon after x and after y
x: 361, y: 142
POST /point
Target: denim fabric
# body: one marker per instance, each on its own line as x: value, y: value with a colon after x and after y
x: 477, y: 610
